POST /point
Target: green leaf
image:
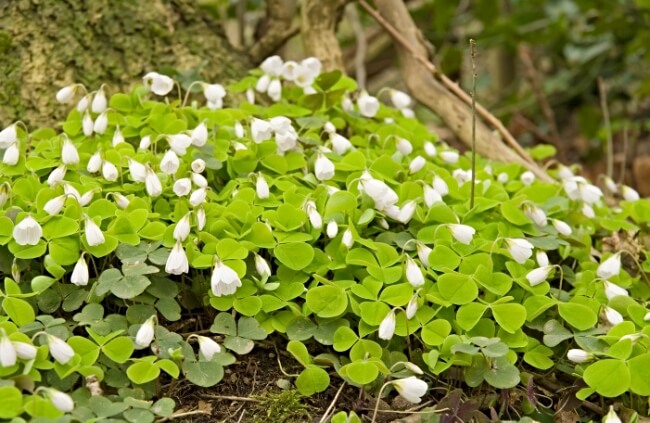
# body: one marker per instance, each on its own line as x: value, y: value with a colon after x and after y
x: 610, y: 378
x: 295, y: 255
x: 509, y: 316
x: 639, y: 367
x: 577, y: 315
x: 327, y: 301
x: 12, y: 402
x: 119, y: 349
x: 18, y: 310
x: 344, y: 338
x: 457, y: 288
x: 169, y: 367
x: 362, y: 372
x: 299, y: 352
x: 203, y: 373
x: 142, y: 372
x: 502, y: 374
x: 468, y: 315
x: 312, y: 380
x: 121, y: 102
x: 164, y: 407
x: 443, y: 258
x: 435, y: 332
x: 27, y: 252
x: 250, y: 328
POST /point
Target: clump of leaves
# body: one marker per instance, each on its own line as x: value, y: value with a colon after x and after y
x: 344, y: 228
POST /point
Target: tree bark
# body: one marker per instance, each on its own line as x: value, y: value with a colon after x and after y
x: 319, y: 19
x: 48, y: 44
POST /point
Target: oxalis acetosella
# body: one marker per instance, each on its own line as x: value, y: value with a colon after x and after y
x: 294, y: 205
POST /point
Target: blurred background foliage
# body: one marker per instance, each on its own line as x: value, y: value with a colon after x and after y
x: 539, y: 63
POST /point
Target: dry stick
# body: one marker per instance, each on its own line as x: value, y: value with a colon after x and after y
x: 602, y: 89
x: 472, y: 45
x: 183, y: 414
x: 621, y: 178
x: 230, y: 398
x: 362, y: 44
x: 331, y: 406
x: 449, y: 84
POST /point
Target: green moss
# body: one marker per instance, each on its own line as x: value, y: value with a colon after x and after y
x: 281, y: 407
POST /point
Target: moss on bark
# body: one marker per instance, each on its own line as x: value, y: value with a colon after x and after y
x: 47, y: 44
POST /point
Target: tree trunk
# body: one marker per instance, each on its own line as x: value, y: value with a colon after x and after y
x: 47, y: 44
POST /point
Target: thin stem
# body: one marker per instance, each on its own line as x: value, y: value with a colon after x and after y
x: 472, y: 45
x: 374, y: 413
x: 188, y: 92
x: 621, y: 178
x: 608, y: 127
x: 331, y: 406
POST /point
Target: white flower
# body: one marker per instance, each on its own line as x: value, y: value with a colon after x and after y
x: 145, y: 142
x: 101, y: 123
x: 137, y: 170
x: 69, y: 154
x: 542, y: 258
x: 610, y: 184
x: 99, y: 101
x: 423, y: 254
x: 199, y: 180
x: 407, y: 113
x: 564, y: 172
x: 80, y: 275
x: 182, y: 187
x: 213, y: 92
x: 275, y: 90
x: 612, y: 290
x: 86, y: 198
x: 539, y: 275
x: 262, y: 266
x: 347, y: 240
x: 340, y: 144
x: 527, y: 178
x: 404, y: 146
x: 8, y: 354
x: 400, y: 99
x: 94, y: 163
x: 59, y: 349
x: 462, y: 176
x: 412, y: 307
x: 502, y: 177
x: 272, y: 65
x: 431, y: 196
x: 200, y: 218
x: 332, y: 229
x: 612, y: 316
x: 94, y: 235
x: 54, y: 206
x: 346, y: 104
x: 290, y: 70
x: 520, y: 249
x: 250, y: 96
x: 611, y: 416
x: 430, y: 149
x: 118, y: 138
x: 262, y: 187
x: 208, y: 347
x: 239, y: 130
x: 8, y: 136
x: 579, y: 356
x: 198, y: 197
x: 56, y: 176
x: 66, y: 94
x: 24, y: 351
x: 144, y: 336
x: 407, y: 211
x: 417, y: 164
x: 28, y: 231
x: 177, y: 263
x: 158, y: 84
x: 440, y: 185
x: 198, y: 165
x: 368, y: 105
x: 646, y: 318
x: 199, y: 135
x: 262, y: 84
x: 286, y: 141
x: 12, y: 155
x: 312, y: 65
x: 413, y: 273
x: 329, y: 127
x: 109, y: 171
x: 224, y: 281
x: 82, y: 105
x: 387, y: 326
x: 121, y: 201
x: 179, y: 143
x: 610, y: 267
x: 629, y: 193
x: 462, y: 233
x: 324, y: 168
x: 314, y: 217
x: 449, y: 156
x: 588, y: 211
x: 411, y: 388
x: 260, y: 130
x: 71, y: 191
x: 562, y: 227
x: 152, y: 183
x: 183, y: 227
x: 87, y: 124
x: 379, y: 191
x: 62, y: 401
x: 535, y: 214
x: 170, y: 163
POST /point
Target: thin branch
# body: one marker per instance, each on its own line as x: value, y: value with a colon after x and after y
x: 472, y: 46
x: 457, y: 91
x: 609, y: 148
x: 183, y: 414
x: 361, y: 44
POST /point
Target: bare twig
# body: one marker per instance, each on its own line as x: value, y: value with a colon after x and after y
x: 231, y: 398
x: 279, y: 16
x: 488, y: 142
x: 331, y: 406
x: 472, y: 46
x: 182, y: 414
x: 525, y: 56
x: 602, y: 89
x: 361, y: 44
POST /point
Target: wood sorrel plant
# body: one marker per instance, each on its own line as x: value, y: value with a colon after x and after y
x: 312, y: 217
